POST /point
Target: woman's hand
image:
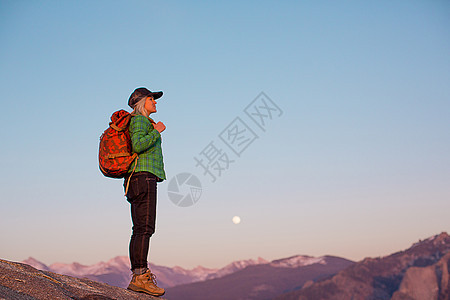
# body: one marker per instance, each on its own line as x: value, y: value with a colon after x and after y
x: 159, y: 126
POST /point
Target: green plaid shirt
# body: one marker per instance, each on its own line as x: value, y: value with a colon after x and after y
x: 146, y: 142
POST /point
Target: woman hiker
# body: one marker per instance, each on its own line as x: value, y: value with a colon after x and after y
x: 146, y: 142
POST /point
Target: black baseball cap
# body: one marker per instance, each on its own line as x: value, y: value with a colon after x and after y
x: 140, y: 93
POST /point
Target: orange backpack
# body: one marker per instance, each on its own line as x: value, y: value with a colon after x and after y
x: 115, y: 152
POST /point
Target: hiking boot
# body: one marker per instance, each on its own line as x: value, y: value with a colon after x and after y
x: 145, y: 283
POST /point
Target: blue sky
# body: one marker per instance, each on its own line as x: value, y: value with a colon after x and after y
x: 357, y: 165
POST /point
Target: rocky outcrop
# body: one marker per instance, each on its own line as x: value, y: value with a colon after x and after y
x: 21, y: 281
x: 432, y: 282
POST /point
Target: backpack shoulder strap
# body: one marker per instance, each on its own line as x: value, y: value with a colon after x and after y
x: 115, y: 127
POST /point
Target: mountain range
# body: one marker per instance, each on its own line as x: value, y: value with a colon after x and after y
x: 262, y: 281
x: 420, y: 272
x: 292, y: 272
x: 116, y: 271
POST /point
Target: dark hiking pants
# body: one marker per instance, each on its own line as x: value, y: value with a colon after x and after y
x: 142, y: 197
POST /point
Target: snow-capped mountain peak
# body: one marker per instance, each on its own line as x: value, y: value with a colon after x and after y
x: 298, y: 261
x: 236, y: 266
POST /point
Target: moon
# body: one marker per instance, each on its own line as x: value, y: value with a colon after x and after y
x: 236, y: 220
